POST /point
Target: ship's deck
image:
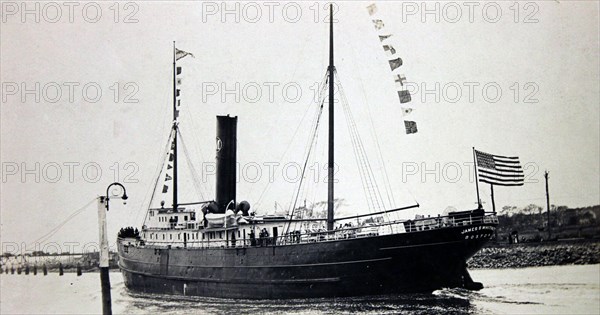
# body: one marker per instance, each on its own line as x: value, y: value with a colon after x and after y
x: 193, y: 237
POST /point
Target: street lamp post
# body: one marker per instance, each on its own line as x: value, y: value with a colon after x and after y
x: 104, y: 255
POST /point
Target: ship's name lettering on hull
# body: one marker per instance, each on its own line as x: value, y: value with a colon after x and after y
x: 478, y: 228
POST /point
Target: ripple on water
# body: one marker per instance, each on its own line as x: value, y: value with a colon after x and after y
x: 444, y: 302
x: 545, y: 290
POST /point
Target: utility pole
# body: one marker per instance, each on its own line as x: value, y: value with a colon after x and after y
x: 548, y: 204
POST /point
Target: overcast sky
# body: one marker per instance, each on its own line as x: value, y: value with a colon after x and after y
x: 542, y: 57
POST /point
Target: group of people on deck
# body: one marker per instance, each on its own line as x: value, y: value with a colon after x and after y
x: 347, y: 225
x: 129, y: 232
x: 264, y: 238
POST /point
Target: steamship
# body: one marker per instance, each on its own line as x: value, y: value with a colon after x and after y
x: 220, y: 248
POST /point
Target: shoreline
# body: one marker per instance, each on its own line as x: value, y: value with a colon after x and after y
x: 564, y: 252
x: 492, y: 256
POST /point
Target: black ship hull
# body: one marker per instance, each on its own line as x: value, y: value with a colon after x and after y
x: 420, y: 261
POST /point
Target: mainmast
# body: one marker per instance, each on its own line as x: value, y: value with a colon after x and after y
x: 175, y: 203
x: 330, y: 164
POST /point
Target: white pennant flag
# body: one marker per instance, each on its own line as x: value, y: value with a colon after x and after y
x: 180, y: 54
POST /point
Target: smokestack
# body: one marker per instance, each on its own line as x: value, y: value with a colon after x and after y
x: 226, y: 161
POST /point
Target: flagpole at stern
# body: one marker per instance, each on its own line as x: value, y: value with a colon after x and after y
x: 476, y: 179
x: 493, y: 202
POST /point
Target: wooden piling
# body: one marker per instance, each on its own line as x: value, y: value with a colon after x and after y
x: 106, y: 298
x: 60, y: 269
x: 45, y: 269
x: 78, y: 270
x: 26, y: 269
x: 35, y: 270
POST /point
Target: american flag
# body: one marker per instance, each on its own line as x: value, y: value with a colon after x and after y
x: 499, y: 170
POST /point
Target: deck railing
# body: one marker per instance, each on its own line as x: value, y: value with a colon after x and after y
x: 297, y: 237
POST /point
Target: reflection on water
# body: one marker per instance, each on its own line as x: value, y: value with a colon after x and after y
x: 546, y: 290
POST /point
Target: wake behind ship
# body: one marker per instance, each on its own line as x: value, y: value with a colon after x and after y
x: 218, y: 248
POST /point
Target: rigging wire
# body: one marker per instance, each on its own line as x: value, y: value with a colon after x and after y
x: 158, y: 177
x: 314, y: 136
x: 312, y: 189
x: 157, y: 173
x: 49, y: 234
x: 166, y: 95
x: 311, y: 139
x: 312, y: 142
x: 293, y: 206
x: 353, y: 140
x: 362, y: 159
x: 193, y: 170
x: 207, y: 185
x: 386, y: 181
x: 297, y: 66
x: 267, y: 185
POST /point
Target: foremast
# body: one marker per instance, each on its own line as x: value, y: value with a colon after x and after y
x: 175, y: 201
x: 330, y: 164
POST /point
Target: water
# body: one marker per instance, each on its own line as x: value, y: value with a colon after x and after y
x: 539, y: 290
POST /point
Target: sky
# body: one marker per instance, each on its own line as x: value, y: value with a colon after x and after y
x: 508, y: 78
